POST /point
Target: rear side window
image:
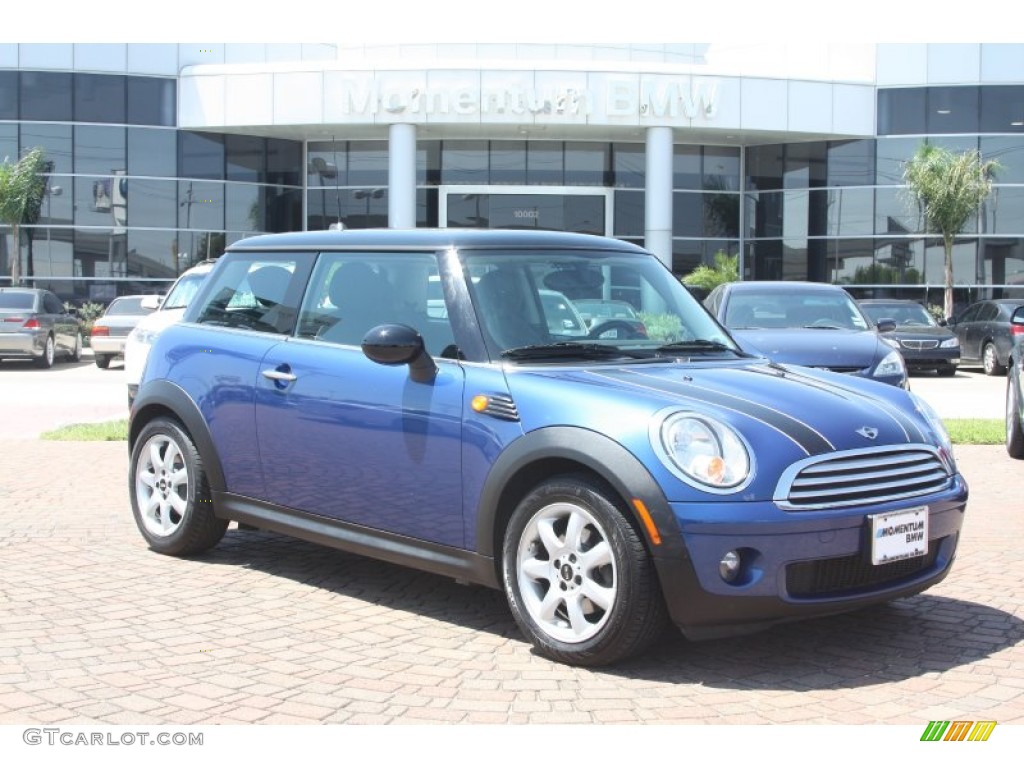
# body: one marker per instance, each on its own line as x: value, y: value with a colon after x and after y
x: 16, y: 300
x: 258, y: 293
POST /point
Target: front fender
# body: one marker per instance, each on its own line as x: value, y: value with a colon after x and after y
x: 161, y: 397
x: 556, y: 450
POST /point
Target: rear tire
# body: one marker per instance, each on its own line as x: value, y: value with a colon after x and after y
x: 102, y: 361
x: 578, y: 577
x: 990, y: 360
x: 170, y: 493
x: 49, y: 351
x: 76, y: 353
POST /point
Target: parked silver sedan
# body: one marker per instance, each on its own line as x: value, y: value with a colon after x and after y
x: 110, y: 331
x: 35, y: 326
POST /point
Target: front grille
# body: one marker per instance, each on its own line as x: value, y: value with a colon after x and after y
x: 919, y: 344
x: 854, y: 478
x: 838, y: 368
x: 838, y: 576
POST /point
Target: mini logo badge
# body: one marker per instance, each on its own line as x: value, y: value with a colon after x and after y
x: 869, y: 432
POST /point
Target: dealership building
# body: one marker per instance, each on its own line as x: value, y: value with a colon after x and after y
x: 161, y: 155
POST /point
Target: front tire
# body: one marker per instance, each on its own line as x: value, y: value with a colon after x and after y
x: 1014, y: 428
x: 578, y: 577
x: 947, y: 370
x: 990, y: 360
x: 170, y: 493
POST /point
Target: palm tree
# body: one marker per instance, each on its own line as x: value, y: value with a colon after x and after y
x: 948, y: 188
x: 22, y: 187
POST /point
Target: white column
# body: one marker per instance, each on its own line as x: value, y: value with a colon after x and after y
x: 402, y: 177
x: 658, y: 194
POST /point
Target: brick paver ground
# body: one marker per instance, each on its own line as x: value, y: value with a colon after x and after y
x: 96, y: 628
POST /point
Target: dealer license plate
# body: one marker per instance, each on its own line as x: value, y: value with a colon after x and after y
x: 899, y: 535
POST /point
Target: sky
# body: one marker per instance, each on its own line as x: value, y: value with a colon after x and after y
x: 538, y: 21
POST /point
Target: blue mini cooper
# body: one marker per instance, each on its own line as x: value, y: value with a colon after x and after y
x: 412, y: 396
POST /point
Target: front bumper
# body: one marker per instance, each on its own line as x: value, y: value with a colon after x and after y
x: 795, y: 564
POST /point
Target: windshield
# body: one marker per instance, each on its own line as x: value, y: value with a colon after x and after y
x: 794, y: 309
x: 183, y: 291
x: 903, y: 314
x: 528, y: 306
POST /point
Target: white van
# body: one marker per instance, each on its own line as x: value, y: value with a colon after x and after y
x: 169, y: 311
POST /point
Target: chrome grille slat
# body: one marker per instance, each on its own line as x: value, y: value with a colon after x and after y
x: 869, y: 476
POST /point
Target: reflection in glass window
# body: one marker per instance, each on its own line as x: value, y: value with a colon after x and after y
x: 46, y: 96
x: 200, y: 205
x: 243, y: 211
x: 152, y: 152
x: 805, y: 165
x: 152, y: 101
x: 721, y: 168
x: 545, y: 163
x: 890, y: 156
x: 368, y: 163
x: 58, y: 201
x: 629, y: 214
x: 8, y: 95
x: 1008, y: 151
x: 152, y: 203
x: 953, y: 109
x: 284, y: 162
x: 895, y: 214
x: 154, y: 253
x: 687, y: 214
x: 1003, y: 212
x: 851, y: 163
x: 464, y: 162
x: 282, y: 209
x: 902, y: 110
x: 508, y: 162
x: 100, y: 253
x: 1002, y: 109
x: 721, y: 214
x: 686, y: 167
x: 586, y: 164
x: 850, y: 211
x: 628, y: 165
x: 99, y: 149
x: 764, y: 167
x: 55, y: 139
x: 99, y: 98
x: 8, y: 140
x: 246, y: 158
x: 200, y: 155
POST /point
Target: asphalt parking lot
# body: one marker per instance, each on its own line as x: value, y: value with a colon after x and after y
x: 96, y: 628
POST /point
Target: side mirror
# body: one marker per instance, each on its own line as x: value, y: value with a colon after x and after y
x: 400, y: 345
x: 886, y: 325
x: 151, y: 302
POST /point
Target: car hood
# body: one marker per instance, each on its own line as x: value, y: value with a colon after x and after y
x: 784, y: 414
x: 817, y: 347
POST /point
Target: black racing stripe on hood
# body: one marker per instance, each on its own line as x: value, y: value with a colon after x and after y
x: 913, y: 431
x: 811, y: 441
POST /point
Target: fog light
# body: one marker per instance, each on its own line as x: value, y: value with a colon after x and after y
x: 729, y: 566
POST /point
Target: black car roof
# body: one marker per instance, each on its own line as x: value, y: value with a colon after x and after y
x: 431, y: 239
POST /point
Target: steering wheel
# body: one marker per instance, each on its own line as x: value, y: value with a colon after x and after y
x: 623, y: 328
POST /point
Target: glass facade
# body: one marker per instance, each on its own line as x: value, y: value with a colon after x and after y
x: 838, y: 211
x: 131, y: 201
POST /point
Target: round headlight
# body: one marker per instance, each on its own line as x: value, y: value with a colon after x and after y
x: 705, y: 450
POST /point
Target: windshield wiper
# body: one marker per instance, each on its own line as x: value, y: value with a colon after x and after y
x: 569, y: 349
x: 700, y: 345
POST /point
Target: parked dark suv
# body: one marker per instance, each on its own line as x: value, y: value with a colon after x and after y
x: 604, y: 478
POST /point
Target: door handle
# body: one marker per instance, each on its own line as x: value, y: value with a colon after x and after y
x: 274, y: 375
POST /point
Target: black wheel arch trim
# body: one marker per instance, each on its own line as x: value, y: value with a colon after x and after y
x: 162, y: 397
x: 609, y: 460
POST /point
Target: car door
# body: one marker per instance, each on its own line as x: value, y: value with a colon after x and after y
x: 61, y: 323
x: 346, y: 438
x: 965, y: 329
